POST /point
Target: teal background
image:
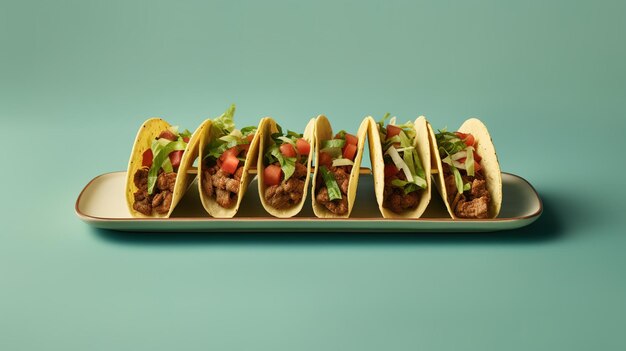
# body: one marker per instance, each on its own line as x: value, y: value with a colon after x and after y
x: 77, y: 78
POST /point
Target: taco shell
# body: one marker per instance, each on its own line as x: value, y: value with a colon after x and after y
x: 209, y: 203
x: 324, y: 131
x: 424, y: 138
x: 489, y: 163
x: 268, y: 127
x: 149, y: 130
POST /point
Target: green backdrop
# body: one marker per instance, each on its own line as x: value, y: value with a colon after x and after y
x: 77, y: 78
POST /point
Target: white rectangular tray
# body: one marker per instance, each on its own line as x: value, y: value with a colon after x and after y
x: 102, y: 204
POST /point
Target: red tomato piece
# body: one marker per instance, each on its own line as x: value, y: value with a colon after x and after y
x: 390, y: 170
x: 392, y: 131
x: 147, y: 158
x: 325, y: 159
x: 166, y: 134
x: 303, y: 146
x: 233, y: 151
x: 229, y: 165
x: 175, y: 157
x: 287, y: 150
x: 477, y: 166
x: 467, y: 138
x: 272, y: 175
x: 250, y: 137
x: 186, y: 139
x: 351, y: 139
x: 349, y: 151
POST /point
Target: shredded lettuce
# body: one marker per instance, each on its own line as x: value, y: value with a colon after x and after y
x: 405, y: 157
x: 273, y: 154
x: 287, y: 164
x: 333, y: 143
x: 334, y: 193
x: 223, y: 124
x: 159, y: 159
x: 224, y: 135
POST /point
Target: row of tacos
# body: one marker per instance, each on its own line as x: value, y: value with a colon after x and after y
x: 407, y: 159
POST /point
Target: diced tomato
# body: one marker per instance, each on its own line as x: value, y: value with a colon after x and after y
x: 390, y: 170
x: 175, y: 157
x: 186, y: 139
x: 325, y: 159
x: 229, y: 165
x: 392, y: 131
x: 477, y: 166
x: 349, y: 151
x: 233, y: 151
x: 287, y: 150
x: 147, y: 158
x: 303, y: 146
x: 166, y: 134
x: 351, y: 139
x: 272, y: 175
x: 250, y: 137
x: 467, y: 138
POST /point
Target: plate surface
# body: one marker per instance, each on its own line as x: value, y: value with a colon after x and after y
x: 102, y: 204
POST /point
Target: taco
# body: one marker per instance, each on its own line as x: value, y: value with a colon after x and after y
x: 337, y: 166
x: 469, y: 178
x: 284, y: 168
x: 400, y: 156
x: 157, y: 171
x: 226, y: 155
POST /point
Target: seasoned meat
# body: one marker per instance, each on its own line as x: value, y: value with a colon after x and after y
x: 166, y: 181
x: 141, y: 178
x: 338, y: 207
x: 225, y: 198
x: 342, y: 177
x: 450, y: 186
x: 396, y: 200
x: 164, y: 207
x: 238, y: 173
x: 221, y: 180
x: 476, y: 208
x: 479, y: 188
x: 473, y: 203
x: 161, y: 199
x: 222, y: 186
x: 300, y: 171
x: 286, y: 194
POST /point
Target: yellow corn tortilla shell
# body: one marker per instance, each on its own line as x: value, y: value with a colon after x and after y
x: 209, y: 203
x: 269, y: 127
x: 424, y: 138
x: 324, y: 131
x: 148, y: 131
x: 489, y: 163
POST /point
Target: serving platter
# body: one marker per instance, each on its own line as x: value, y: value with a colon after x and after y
x: 102, y: 204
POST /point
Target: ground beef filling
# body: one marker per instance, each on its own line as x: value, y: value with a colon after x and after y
x: 221, y: 186
x: 287, y: 194
x: 342, y: 176
x: 160, y: 200
x: 473, y: 203
x: 394, y: 197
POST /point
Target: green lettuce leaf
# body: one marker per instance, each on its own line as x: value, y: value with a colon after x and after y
x: 334, y: 193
